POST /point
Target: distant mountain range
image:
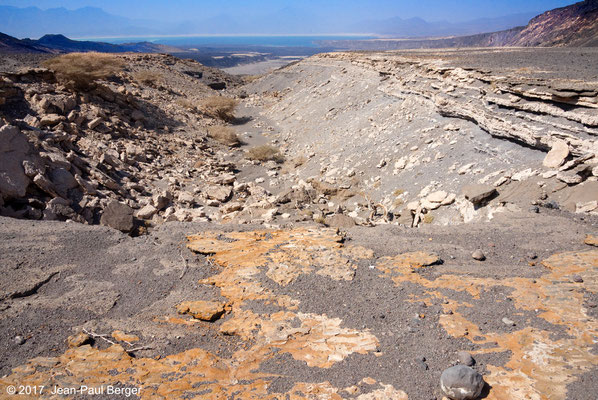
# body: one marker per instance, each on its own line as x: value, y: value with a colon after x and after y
x: 62, y: 44
x: 417, y: 27
x: 573, y: 26
x: 94, y: 22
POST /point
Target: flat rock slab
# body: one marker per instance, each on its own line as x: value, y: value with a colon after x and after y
x: 478, y: 193
x: 204, y: 310
x: 557, y: 155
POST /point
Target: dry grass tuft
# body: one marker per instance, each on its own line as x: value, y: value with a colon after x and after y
x: 224, y: 134
x: 83, y: 69
x: 264, y: 153
x: 428, y: 219
x: 186, y: 103
x: 149, y: 78
x: 220, y: 107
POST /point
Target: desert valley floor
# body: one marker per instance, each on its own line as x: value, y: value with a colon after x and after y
x: 408, y: 211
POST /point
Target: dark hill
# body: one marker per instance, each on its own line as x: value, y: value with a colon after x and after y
x: 572, y: 26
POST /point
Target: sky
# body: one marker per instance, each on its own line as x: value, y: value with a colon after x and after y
x: 430, y: 10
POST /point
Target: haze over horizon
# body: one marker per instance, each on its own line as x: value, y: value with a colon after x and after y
x: 155, y: 17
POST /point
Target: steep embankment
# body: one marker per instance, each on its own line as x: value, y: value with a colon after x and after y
x: 398, y: 129
x: 573, y: 26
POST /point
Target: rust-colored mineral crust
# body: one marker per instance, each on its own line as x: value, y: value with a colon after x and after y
x: 259, y: 265
x: 541, y: 366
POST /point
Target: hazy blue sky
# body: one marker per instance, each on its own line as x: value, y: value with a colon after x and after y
x: 431, y: 10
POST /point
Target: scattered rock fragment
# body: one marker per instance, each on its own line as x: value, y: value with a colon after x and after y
x: 465, y: 358
x: 118, y: 216
x: 569, y: 177
x: 478, y: 193
x: 461, y: 383
x: 205, y: 310
x: 146, y: 212
x: 94, y: 123
x: 508, y: 321
x: 219, y: 193
x: 478, y: 255
x: 19, y: 340
x: 557, y: 155
x: 78, y: 340
x: 591, y: 240
x: 437, y: 197
x: 51, y: 119
x: 124, y: 337
x: 162, y: 200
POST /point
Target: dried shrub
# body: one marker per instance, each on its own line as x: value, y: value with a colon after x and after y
x: 83, y: 69
x: 320, y: 220
x: 428, y: 219
x: 224, y: 134
x: 148, y: 78
x: 186, y: 103
x: 220, y: 107
x: 250, y: 78
x: 264, y: 153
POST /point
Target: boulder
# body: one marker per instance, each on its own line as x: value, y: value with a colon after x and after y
x: 137, y: 115
x: 51, y: 120
x: 13, y: 149
x: 340, y: 221
x: 461, y: 383
x: 63, y: 181
x: 437, y: 197
x: 45, y: 185
x: 296, y: 196
x: 219, y: 193
x: 186, y: 197
x: 162, y: 200
x: 232, y: 207
x: 59, y: 209
x: 478, y: 193
x: 557, y: 155
x: 147, y: 212
x: 118, y: 216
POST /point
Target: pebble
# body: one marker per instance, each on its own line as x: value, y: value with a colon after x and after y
x: 478, y: 255
x: 576, y: 279
x: 19, y: 340
x: 507, y: 321
x: 461, y: 383
x: 422, y: 365
x: 465, y: 358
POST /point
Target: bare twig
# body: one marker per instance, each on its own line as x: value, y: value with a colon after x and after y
x: 185, y: 268
x: 96, y: 335
x: 139, y: 349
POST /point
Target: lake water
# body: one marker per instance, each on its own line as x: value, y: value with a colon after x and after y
x: 230, y: 41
